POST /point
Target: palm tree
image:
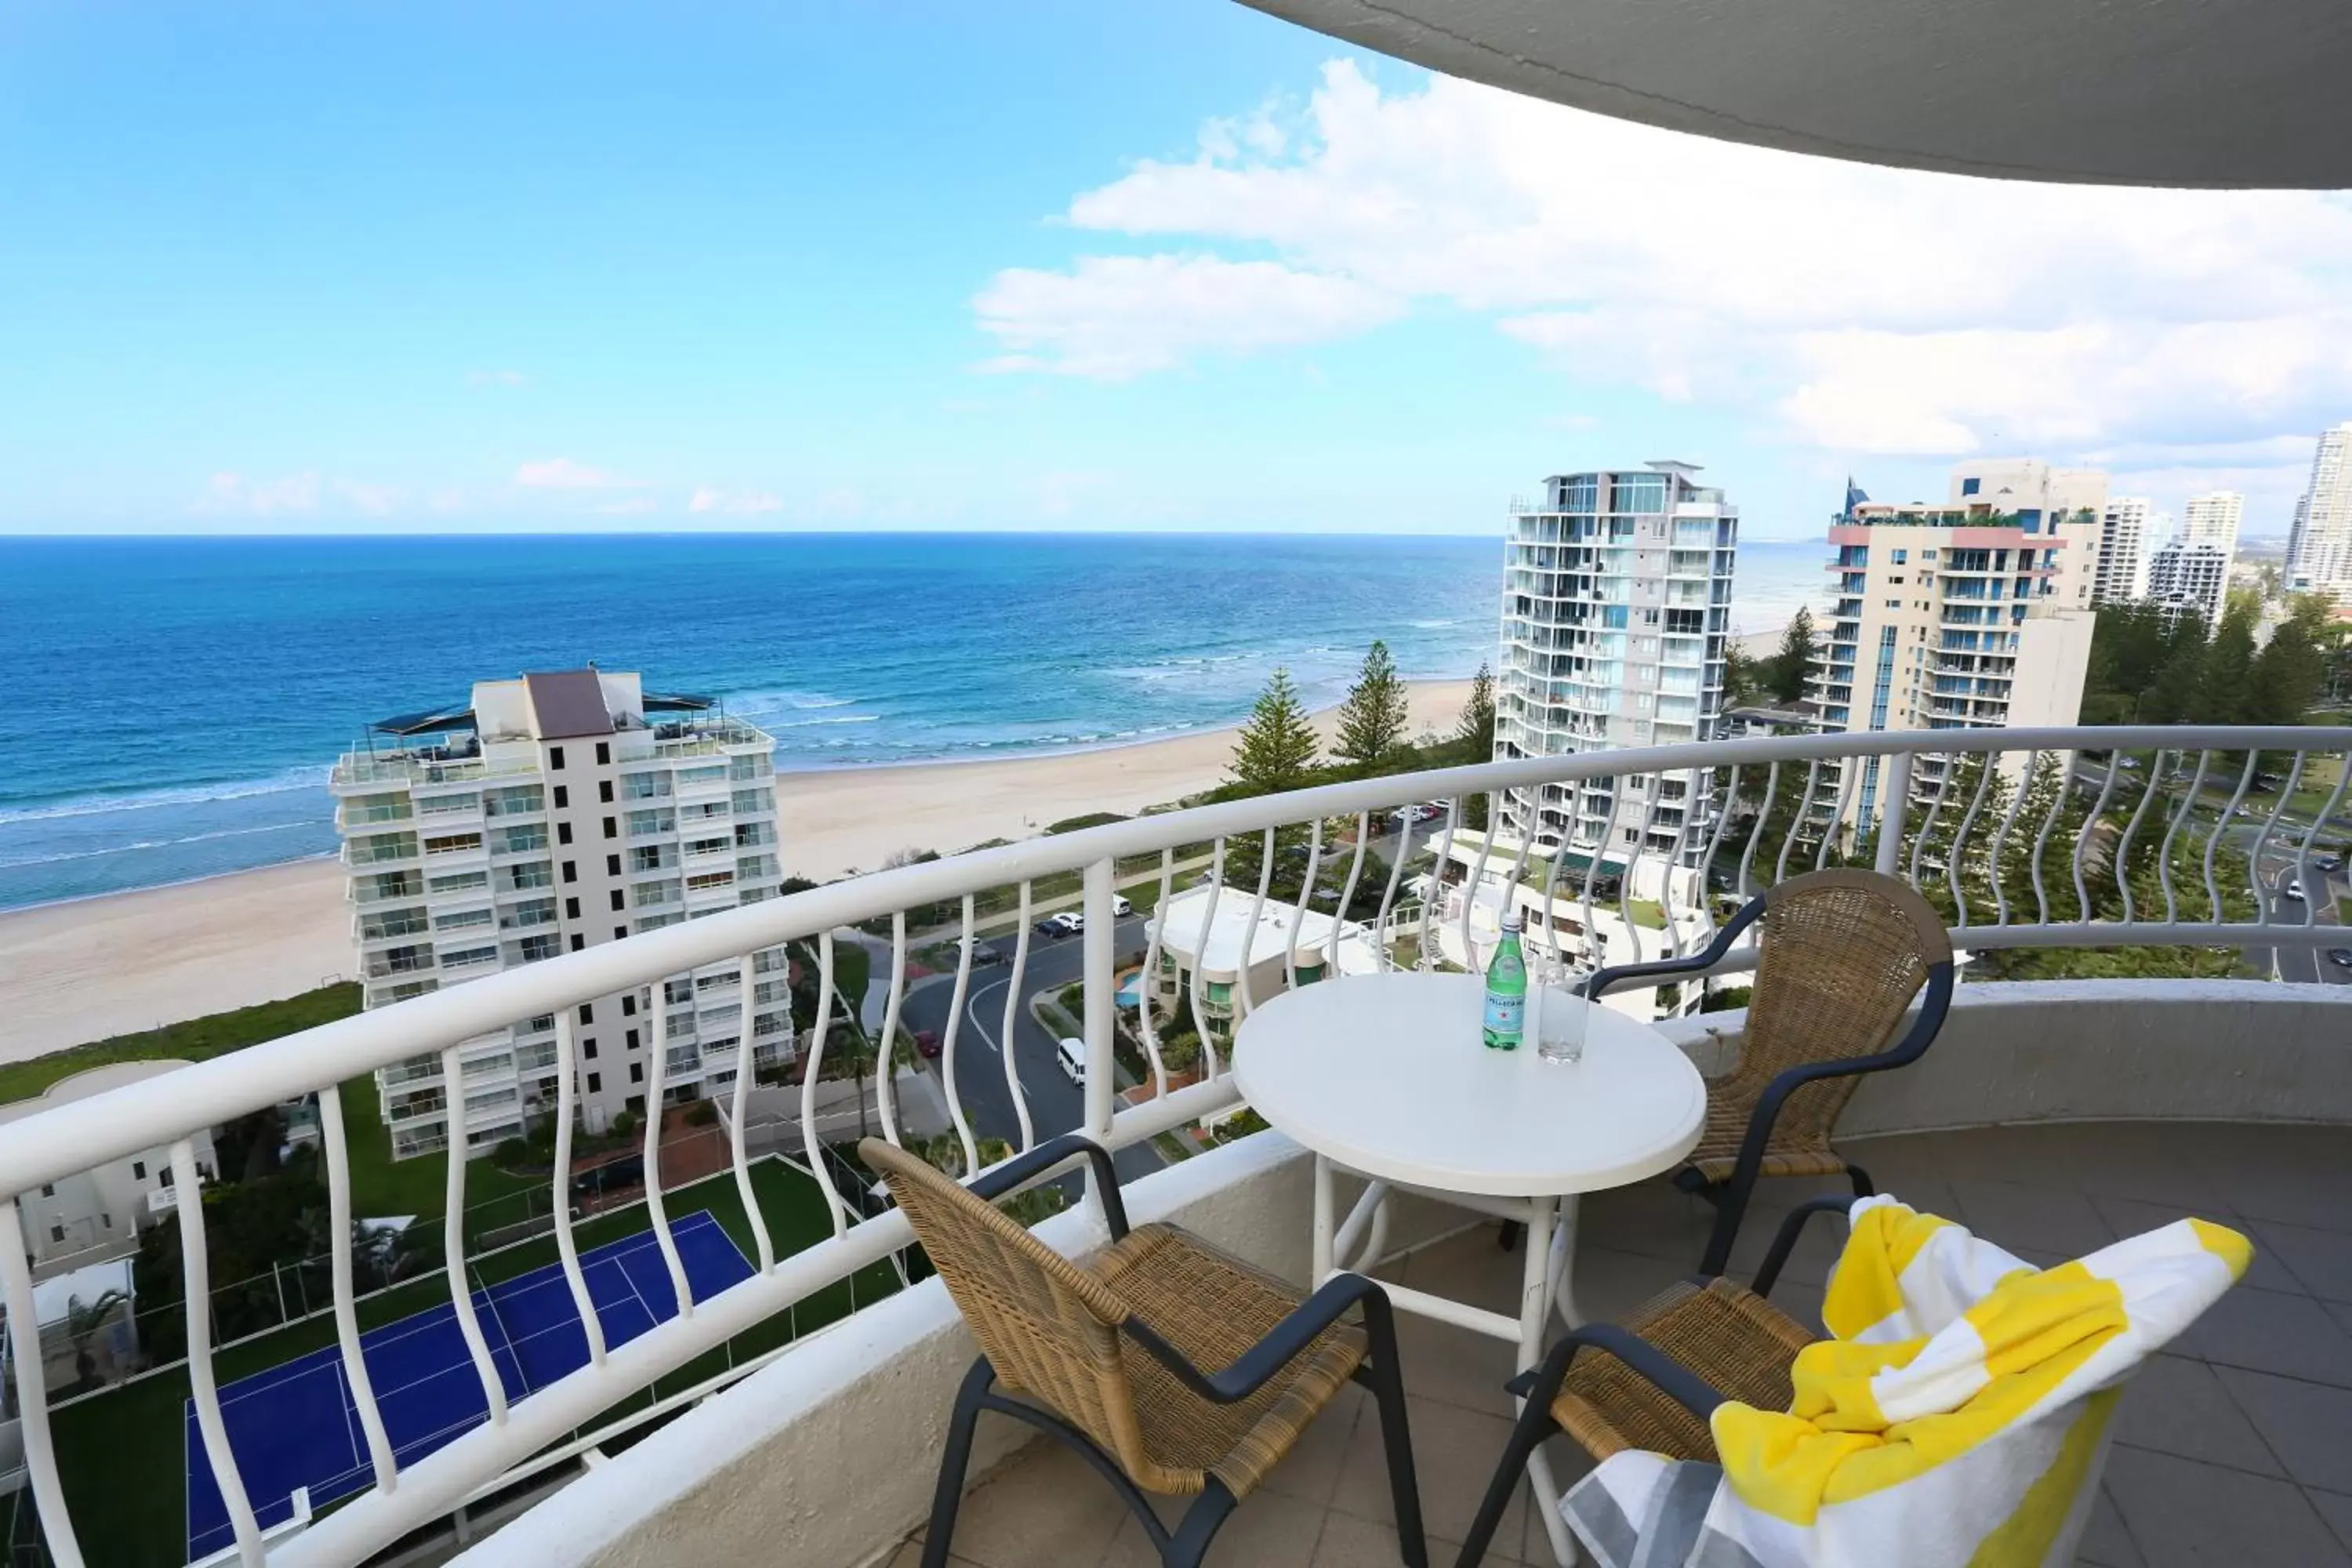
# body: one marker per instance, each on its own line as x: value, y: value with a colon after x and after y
x: 83, y: 1321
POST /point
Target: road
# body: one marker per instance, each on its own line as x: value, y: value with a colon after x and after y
x: 2306, y: 964
x: 1055, y: 1104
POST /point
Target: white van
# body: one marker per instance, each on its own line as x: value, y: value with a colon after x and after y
x: 1072, y: 1054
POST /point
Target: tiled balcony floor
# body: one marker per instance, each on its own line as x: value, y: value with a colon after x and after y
x: 2235, y: 1447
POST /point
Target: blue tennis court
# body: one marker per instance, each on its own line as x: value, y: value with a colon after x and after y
x: 296, y: 1424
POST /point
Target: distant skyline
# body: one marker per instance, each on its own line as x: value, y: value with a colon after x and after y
x: 292, y: 270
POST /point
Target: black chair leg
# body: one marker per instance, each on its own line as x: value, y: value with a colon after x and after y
x: 1861, y: 1180
x: 971, y: 1399
x: 1198, y: 1526
x: 1534, y: 1425
x: 1387, y: 1380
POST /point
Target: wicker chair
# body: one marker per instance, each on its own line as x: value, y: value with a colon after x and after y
x: 1843, y: 953
x: 1169, y: 1366
x: 1652, y: 1382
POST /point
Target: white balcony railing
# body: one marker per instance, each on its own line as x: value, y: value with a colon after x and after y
x: 2207, y: 844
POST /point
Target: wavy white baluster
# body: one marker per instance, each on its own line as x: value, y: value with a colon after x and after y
x: 1005, y: 1037
x: 1306, y: 902
x: 2163, y: 855
x: 1600, y: 958
x: 1673, y: 942
x: 195, y: 1283
x: 885, y: 1074
x: 961, y: 1123
x: 33, y: 1392
x: 1633, y: 864
x: 2123, y: 846
x: 1797, y: 823
x: 747, y: 984
x: 1439, y: 861
x: 1714, y: 844
x: 2083, y: 839
x: 2262, y: 842
x: 1954, y: 858
x: 453, y: 1240
x: 811, y: 1144
x: 560, y: 1200
x: 2220, y: 830
x: 1927, y: 822
x: 1380, y: 938
x: 1242, y: 1001
x: 1148, y: 980
x: 2303, y: 852
x: 1200, y: 959
x: 1755, y: 833
x: 347, y: 1323
x: 2041, y: 840
x: 1347, y: 897
x: 2000, y: 835
x: 656, y: 1081
x: 1849, y: 782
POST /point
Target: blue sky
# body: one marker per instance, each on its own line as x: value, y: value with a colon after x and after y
x: 1178, y: 265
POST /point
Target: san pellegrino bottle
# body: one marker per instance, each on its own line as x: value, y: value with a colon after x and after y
x: 1506, y: 991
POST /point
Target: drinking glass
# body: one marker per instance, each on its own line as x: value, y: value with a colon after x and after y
x: 1559, y: 1025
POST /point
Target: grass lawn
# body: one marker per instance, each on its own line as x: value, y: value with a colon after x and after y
x: 191, y: 1041
x: 122, y: 1453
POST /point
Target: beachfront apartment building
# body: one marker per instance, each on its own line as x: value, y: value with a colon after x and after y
x: 2319, y: 550
x: 2190, y: 578
x: 2129, y: 529
x: 1958, y: 616
x: 1241, y: 952
x: 1616, y: 607
x: 553, y: 812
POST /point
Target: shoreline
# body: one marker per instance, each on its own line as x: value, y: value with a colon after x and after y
x: 78, y: 970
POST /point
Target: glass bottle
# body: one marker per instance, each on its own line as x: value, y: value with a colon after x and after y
x: 1506, y: 991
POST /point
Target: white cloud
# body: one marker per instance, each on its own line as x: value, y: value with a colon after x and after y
x: 563, y: 474
x: 1113, y: 317
x: 1854, y: 308
x: 733, y: 503
x: 232, y: 494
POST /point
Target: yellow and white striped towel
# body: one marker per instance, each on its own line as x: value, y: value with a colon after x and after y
x: 1958, y: 1418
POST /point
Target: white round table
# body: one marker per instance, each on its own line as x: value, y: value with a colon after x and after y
x: 1385, y: 1075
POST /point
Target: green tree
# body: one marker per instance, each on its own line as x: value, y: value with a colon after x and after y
x: 1784, y: 673
x: 1372, y: 720
x: 2225, y: 678
x: 1743, y: 676
x: 1275, y: 750
x: 1474, y: 731
x: 84, y: 1320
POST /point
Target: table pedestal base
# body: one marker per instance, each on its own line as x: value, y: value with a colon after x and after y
x: 1547, y: 1282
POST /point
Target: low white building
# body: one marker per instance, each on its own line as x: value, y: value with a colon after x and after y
x: 99, y: 1213
x: 1207, y: 929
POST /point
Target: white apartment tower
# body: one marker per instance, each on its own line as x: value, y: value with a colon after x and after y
x: 2212, y: 518
x: 551, y: 814
x: 1616, y: 602
x: 2190, y: 578
x: 1955, y: 617
x: 2062, y: 504
x: 2319, y: 555
x: 2127, y: 534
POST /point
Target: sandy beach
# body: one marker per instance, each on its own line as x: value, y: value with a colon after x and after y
x: 76, y: 972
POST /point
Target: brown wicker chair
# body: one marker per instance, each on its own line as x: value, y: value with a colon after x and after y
x: 1652, y: 1382
x: 1843, y: 953
x: 1167, y: 1365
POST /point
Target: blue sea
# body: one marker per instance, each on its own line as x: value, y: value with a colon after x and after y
x: 175, y: 703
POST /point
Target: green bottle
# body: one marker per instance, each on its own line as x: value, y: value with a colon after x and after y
x: 1506, y: 991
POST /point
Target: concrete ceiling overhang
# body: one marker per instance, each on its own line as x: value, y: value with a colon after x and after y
x: 2246, y: 94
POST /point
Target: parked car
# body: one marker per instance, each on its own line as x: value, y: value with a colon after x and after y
x: 2294, y: 888
x: 1407, y: 815
x: 927, y: 1043
x: 1120, y: 906
x: 2340, y: 956
x: 1063, y: 924
x: 984, y: 954
x: 2328, y: 863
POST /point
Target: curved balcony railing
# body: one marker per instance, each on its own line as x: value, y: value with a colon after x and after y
x: 2127, y: 837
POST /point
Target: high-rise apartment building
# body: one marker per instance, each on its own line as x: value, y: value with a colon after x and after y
x: 2126, y: 535
x: 2212, y: 518
x: 1956, y: 616
x: 1616, y: 602
x: 2188, y: 578
x: 551, y: 814
x: 2319, y: 552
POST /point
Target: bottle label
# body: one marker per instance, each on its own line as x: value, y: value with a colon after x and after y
x: 1505, y: 1017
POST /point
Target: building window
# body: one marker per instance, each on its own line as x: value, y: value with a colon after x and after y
x: 563, y: 833
x: 587, y: 1012
x: 612, y: 827
x: 570, y: 872
x: 48, y: 1189
x: 632, y: 1039
x: 611, y: 864
x: 629, y: 1005
x: 571, y: 908
x: 165, y: 1176
x: 588, y: 1049
x: 57, y: 1233
x: 562, y: 796
x: 620, y: 900
x: 637, y: 1072
x: 555, y: 757
x: 595, y: 1083
x: 578, y: 942
x: 605, y: 791
x: 604, y: 753
x: 1901, y: 556
x: 619, y: 931
x: 1971, y: 487
x: 138, y: 1169
x: 105, y: 1219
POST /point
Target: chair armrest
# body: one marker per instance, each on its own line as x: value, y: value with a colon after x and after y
x: 1937, y: 1003
x: 1024, y: 1169
x: 1784, y: 1242
x: 1609, y: 979
x: 1540, y: 1384
x: 1282, y: 1343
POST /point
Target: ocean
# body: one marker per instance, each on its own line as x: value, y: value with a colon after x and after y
x: 178, y: 702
